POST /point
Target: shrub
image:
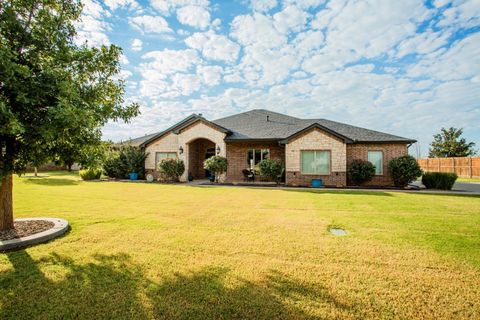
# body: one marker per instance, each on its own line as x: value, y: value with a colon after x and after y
x: 361, y: 171
x: 271, y: 169
x: 404, y: 170
x: 128, y: 159
x: 114, y: 166
x: 439, y: 180
x: 90, y: 174
x: 217, y: 165
x: 172, y: 169
x: 135, y: 160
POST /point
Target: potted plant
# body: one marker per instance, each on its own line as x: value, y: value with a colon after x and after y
x: 216, y: 165
x: 134, y: 159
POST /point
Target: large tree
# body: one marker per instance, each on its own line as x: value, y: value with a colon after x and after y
x: 448, y: 143
x: 49, y: 86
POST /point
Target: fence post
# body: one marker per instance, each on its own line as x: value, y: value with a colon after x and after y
x: 454, y: 169
x: 470, y: 167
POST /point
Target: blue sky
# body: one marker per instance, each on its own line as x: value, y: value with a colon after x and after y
x: 405, y: 67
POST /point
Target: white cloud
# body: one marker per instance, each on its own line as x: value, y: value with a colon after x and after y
x: 92, y: 27
x: 136, y: 45
x: 167, y: 6
x: 150, y: 24
x: 257, y: 29
x: 263, y: 5
x: 465, y: 14
x: 194, y: 16
x: 210, y: 75
x: 214, y: 46
x: 170, y: 61
x: 115, y: 4
x: 290, y: 19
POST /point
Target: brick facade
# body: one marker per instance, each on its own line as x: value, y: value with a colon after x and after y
x: 197, y: 138
x: 237, y: 157
x: 390, y: 151
x: 316, y: 139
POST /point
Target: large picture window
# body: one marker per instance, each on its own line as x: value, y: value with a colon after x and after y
x: 376, y: 158
x: 254, y: 156
x: 315, y: 162
x: 159, y: 156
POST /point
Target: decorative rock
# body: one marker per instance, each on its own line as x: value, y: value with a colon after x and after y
x: 338, y: 232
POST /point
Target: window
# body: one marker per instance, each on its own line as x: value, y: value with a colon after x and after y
x: 376, y: 158
x: 315, y: 162
x: 254, y: 156
x: 159, y: 156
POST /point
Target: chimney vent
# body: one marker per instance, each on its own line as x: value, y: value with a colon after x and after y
x: 268, y: 118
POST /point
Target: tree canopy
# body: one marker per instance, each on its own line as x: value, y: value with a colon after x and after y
x: 448, y: 143
x: 53, y: 91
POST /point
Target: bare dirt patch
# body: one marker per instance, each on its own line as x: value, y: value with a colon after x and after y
x: 26, y: 228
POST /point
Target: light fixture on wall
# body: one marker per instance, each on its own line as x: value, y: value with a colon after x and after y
x: 180, y: 150
x: 218, y: 150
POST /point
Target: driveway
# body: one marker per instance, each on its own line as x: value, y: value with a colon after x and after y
x: 473, y: 187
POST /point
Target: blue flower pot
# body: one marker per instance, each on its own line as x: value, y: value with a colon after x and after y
x: 316, y: 183
x: 133, y: 176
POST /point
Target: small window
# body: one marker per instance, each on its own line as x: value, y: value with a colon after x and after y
x: 254, y: 156
x: 376, y: 158
x: 315, y: 162
x: 159, y: 156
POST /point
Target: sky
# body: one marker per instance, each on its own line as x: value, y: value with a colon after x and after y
x: 403, y: 67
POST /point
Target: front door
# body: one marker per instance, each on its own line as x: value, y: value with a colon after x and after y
x: 208, y: 154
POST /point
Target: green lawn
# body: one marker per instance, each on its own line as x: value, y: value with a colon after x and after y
x: 151, y: 251
x: 468, y: 180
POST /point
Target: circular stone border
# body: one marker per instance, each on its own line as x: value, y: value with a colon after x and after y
x: 59, y: 228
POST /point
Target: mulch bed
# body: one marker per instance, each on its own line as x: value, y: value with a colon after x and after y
x: 25, y: 228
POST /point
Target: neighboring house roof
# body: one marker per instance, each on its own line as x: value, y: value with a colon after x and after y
x: 264, y: 125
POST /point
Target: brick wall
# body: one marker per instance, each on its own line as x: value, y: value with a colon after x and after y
x: 295, y: 179
x: 167, y: 143
x: 316, y: 139
x: 237, y: 157
x: 390, y: 151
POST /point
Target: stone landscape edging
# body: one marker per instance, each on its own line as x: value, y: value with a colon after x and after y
x: 59, y: 228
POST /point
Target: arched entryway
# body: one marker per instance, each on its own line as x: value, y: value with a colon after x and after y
x: 198, y: 151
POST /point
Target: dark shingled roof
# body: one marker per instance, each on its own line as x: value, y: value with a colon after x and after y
x: 260, y: 124
x: 253, y: 125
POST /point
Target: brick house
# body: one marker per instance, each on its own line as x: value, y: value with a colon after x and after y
x: 308, y: 148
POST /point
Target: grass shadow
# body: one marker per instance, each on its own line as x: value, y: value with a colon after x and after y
x: 113, y: 287
x: 52, y: 182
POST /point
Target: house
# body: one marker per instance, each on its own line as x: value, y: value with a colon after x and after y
x: 309, y: 148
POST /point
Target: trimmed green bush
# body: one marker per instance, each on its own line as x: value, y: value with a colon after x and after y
x: 171, y: 169
x: 90, y: 174
x: 114, y: 166
x: 361, y: 171
x: 217, y: 165
x: 439, y: 180
x: 271, y: 169
x: 404, y: 170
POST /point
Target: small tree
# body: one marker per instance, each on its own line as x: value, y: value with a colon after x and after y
x: 217, y: 165
x: 404, y: 170
x: 448, y: 143
x: 361, y: 171
x: 271, y: 169
x: 135, y: 160
x: 172, y: 169
x: 49, y: 85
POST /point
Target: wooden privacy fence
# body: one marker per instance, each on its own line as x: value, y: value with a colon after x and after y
x: 465, y: 167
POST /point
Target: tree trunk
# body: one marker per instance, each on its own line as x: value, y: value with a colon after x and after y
x: 6, y: 203
x: 35, y: 170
